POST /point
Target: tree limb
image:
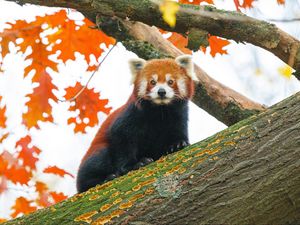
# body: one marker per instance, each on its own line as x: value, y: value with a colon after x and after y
x: 223, y: 103
x: 246, y: 174
x: 227, y: 24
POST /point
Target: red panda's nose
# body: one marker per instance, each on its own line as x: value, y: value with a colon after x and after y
x: 161, y: 92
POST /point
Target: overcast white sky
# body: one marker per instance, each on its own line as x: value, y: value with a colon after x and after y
x: 65, y: 149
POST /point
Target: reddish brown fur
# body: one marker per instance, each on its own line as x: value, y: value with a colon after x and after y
x: 161, y: 67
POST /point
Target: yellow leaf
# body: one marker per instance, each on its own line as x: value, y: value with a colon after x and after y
x: 169, y: 9
x: 286, y: 71
x: 258, y: 72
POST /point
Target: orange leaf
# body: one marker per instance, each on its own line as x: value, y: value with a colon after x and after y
x: 57, y: 171
x: 43, y: 198
x: 74, y: 38
x: 217, y: 44
x: 88, y: 103
x: 281, y: 2
x: 27, y: 153
x: 22, y: 206
x: 2, y: 220
x: 2, y: 115
x: 40, y: 187
x: 58, y: 197
x: 39, y: 104
x: 3, y: 184
x: 195, y: 2
x: 17, y: 174
x: 246, y: 4
x: 180, y: 42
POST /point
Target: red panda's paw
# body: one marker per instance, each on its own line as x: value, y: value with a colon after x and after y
x: 111, y: 177
x: 178, y: 146
x: 143, y: 162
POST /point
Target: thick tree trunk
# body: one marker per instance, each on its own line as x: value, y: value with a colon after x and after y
x: 246, y: 174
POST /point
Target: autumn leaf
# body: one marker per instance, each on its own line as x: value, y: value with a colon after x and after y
x: 3, y: 183
x: 28, y: 154
x: 18, y: 174
x: 2, y: 220
x: 57, y: 171
x: 39, y: 108
x: 216, y: 45
x: 58, y: 197
x: 74, y: 38
x: 169, y: 9
x: 22, y: 206
x: 195, y: 2
x: 40, y: 187
x: 87, y: 104
x: 285, y: 71
x: 246, y: 4
x: 281, y: 2
x: 180, y: 42
x: 2, y: 115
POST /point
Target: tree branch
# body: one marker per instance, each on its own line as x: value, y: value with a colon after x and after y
x: 230, y: 25
x: 221, y: 102
x: 246, y: 174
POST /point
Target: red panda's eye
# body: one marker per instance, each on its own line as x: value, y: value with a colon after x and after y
x: 170, y: 82
x: 152, y: 82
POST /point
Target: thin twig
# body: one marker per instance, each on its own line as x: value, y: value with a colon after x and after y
x: 85, y: 86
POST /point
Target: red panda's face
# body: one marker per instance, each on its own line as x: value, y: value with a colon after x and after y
x: 164, y: 80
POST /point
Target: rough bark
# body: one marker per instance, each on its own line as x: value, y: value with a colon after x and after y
x: 230, y: 25
x: 246, y: 174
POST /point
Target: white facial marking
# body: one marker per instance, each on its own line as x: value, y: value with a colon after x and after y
x: 156, y: 98
x: 168, y: 77
x: 142, y: 87
x: 155, y: 77
x: 181, y: 87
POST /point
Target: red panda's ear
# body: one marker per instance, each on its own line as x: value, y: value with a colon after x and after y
x: 136, y: 65
x: 186, y: 62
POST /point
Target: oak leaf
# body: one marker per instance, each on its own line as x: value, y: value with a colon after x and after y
x: 28, y: 154
x: 18, y: 174
x: 57, y: 171
x: 216, y: 45
x: 22, y: 206
x: 169, y: 9
x: 58, y: 197
x: 39, y: 108
x: 2, y: 115
x: 87, y: 105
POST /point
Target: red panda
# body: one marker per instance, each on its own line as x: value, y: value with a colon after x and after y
x: 152, y: 123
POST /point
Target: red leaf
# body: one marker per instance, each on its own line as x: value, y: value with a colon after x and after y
x: 2, y: 115
x: 38, y: 105
x: 89, y: 104
x: 18, y: 174
x: 22, y: 206
x: 3, y: 184
x: 217, y: 44
x: 57, y: 171
x: 74, y: 38
x: 180, y: 42
x: 58, y: 197
x: 26, y: 153
x: 40, y: 187
x: 246, y: 4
